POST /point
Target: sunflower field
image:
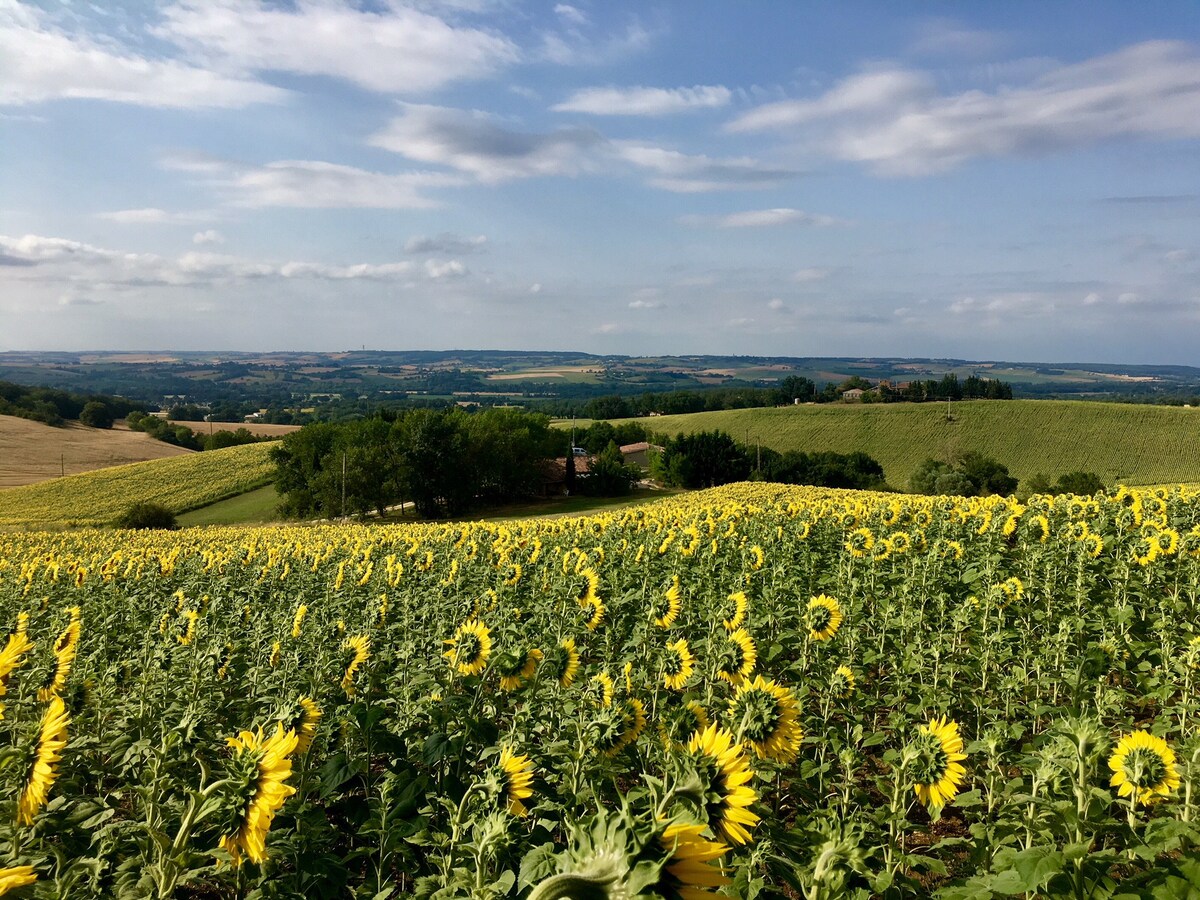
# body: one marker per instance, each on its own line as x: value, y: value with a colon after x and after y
x: 754, y: 691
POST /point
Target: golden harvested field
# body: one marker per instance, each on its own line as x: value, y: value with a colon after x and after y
x: 31, y: 452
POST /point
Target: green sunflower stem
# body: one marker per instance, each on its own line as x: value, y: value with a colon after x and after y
x: 575, y: 886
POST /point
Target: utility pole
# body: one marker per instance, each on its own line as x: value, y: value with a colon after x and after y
x: 62, y: 465
x: 343, y: 484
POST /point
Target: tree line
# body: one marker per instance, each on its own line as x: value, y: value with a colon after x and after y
x: 51, y: 406
x: 793, y: 389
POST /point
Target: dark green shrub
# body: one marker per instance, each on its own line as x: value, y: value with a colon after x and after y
x: 147, y: 515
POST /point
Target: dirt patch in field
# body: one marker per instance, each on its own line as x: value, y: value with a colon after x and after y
x: 31, y: 452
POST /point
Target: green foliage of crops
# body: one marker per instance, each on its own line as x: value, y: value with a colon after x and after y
x: 97, y: 498
x: 1121, y: 443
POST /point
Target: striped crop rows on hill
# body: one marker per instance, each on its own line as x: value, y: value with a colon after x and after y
x: 98, y: 498
x: 757, y: 688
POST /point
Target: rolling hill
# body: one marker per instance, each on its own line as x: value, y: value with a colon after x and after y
x: 31, y: 452
x: 98, y: 498
x: 1132, y: 444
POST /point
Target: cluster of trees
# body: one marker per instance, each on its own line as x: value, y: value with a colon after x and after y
x: 443, y: 462
x: 793, y: 389
x: 710, y: 458
x: 1082, y: 483
x: 54, y: 407
x: 970, y: 474
x: 183, y: 436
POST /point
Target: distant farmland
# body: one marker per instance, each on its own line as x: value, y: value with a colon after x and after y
x: 1128, y: 443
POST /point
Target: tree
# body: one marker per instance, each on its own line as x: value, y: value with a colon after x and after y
x: 971, y: 475
x: 147, y: 515
x: 1081, y: 483
x: 988, y: 475
x: 703, y: 459
x: 96, y: 414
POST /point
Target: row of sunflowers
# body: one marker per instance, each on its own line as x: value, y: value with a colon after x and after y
x: 758, y: 690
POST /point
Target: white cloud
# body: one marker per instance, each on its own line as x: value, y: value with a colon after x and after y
x: 896, y: 122
x: 151, y: 215
x: 474, y: 142
x: 944, y: 37
x: 760, y: 218
x: 811, y: 274
x: 211, y: 236
x: 535, y: 288
x: 396, y: 50
x: 39, y: 62
x: 440, y: 269
x: 38, y: 258
x: 644, y: 101
x: 577, y: 45
x: 688, y: 174
x: 314, y: 184
x: 446, y: 243
x: 570, y: 14
x: 776, y: 304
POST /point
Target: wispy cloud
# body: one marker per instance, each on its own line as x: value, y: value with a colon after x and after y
x: 446, y: 243
x: 148, y: 216
x: 39, y: 62
x: 313, y: 184
x: 73, y: 263
x: 475, y: 143
x: 481, y: 146
x: 395, y: 50
x: 760, y: 218
x: 645, y: 101
x: 896, y: 122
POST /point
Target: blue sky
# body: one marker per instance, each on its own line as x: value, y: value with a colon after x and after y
x: 980, y: 180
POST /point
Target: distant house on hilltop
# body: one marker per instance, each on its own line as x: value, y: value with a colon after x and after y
x: 854, y: 395
x: 639, y: 454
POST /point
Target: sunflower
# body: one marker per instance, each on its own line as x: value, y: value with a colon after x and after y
x: 514, y: 669
x: 740, y: 604
x: 516, y: 774
x: 764, y: 713
x: 678, y: 666
x: 699, y: 713
x: 824, y: 618
x: 1144, y: 551
x: 1143, y: 768
x: 725, y: 771
x: 305, y: 719
x: 620, y: 725
x: 841, y: 682
x: 10, y: 657
x: 15, y: 877
x: 298, y: 619
x: 189, y: 629
x: 590, y: 592
x: 361, y: 645
x: 937, y: 772
x: 563, y: 662
x: 738, y: 658
x: 259, y: 767
x: 594, y: 611
x: 470, y: 647
x: 688, y: 872
x: 667, y: 610
x: 65, y: 648
x: 860, y: 542
x: 605, y: 684
x: 41, y: 773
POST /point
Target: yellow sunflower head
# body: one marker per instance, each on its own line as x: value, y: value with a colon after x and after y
x: 824, y: 616
x: 470, y: 647
x: 737, y: 657
x: 678, y: 665
x: 935, y: 763
x: 765, y: 715
x: 1143, y: 768
x: 725, y: 775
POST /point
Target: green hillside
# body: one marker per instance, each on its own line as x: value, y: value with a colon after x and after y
x: 1131, y: 444
x: 97, y: 498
